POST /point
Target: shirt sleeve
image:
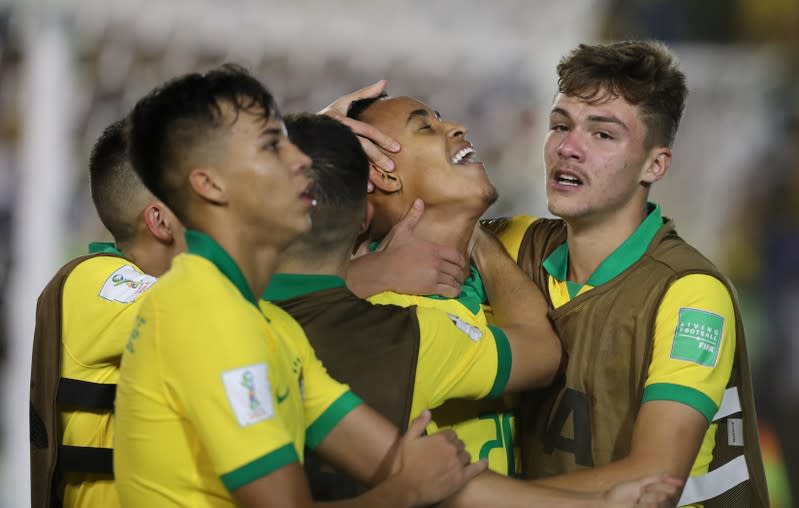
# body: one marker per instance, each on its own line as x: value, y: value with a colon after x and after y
x: 694, y: 345
x: 325, y: 401
x: 222, y: 377
x: 458, y: 359
x: 512, y: 233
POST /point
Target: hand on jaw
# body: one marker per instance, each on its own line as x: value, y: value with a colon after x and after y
x: 405, y: 263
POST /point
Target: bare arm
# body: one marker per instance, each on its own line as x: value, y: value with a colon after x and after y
x: 490, y: 489
x: 666, y: 438
x: 521, y: 311
x: 408, y: 472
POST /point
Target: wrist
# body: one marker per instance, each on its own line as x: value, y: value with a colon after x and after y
x: 401, y: 491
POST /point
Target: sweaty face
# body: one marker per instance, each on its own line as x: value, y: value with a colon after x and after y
x: 595, y: 158
x: 266, y: 179
x: 436, y: 162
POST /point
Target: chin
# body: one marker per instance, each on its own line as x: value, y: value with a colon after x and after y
x: 490, y: 195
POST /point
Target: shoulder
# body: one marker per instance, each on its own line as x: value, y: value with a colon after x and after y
x: 110, y: 278
x: 700, y: 291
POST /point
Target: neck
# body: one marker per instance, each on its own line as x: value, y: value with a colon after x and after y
x: 152, y: 256
x: 591, y: 242
x: 448, y: 226
x: 256, y: 259
x: 297, y: 259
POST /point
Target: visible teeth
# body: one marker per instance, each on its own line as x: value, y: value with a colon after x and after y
x: 458, y: 157
x: 568, y: 180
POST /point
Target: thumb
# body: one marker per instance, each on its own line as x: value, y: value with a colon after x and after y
x: 413, y: 215
x: 418, y: 425
x: 475, y: 469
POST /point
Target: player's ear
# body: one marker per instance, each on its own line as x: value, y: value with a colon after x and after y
x: 367, y: 217
x: 161, y: 222
x: 383, y: 180
x: 207, y: 183
x: 657, y: 165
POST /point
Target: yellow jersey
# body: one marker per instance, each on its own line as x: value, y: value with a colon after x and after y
x: 100, y: 299
x: 694, y: 335
x: 215, y: 391
x: 487, y: 427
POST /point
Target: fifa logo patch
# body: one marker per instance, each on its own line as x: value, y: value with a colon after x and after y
x: 697, y: 337
x: 249, y: 393
x: 125, y: 285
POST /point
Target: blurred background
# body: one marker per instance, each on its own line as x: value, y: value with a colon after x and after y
x: 68, y: 68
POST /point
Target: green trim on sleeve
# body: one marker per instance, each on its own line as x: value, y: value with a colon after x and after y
x: 504, y: 362
x: 321, y: 427
x: 684, y: 394
x: 260, y: 467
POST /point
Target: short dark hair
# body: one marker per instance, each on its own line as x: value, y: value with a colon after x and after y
x: 644, y: 73
x: 340, y: 172
x: 183, y: 114
x: 357, y: 108
x: 116, y: 189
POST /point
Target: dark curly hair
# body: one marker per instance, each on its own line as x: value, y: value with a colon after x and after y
x: 644, y: 73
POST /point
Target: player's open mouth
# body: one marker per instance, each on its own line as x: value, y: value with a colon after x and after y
x: 568, y: 179
x: 463, y: 156
x: 309, y: 195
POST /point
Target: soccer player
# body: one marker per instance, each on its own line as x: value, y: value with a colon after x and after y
x: 658, y: 376
x: 399, y: 359
x: 82, y: 322
x: 438, y: 165
x: 431, y: 356
x: 217, y: 398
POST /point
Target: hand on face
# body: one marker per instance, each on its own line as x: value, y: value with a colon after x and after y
x: 371, y: 138
x: 436, y: 164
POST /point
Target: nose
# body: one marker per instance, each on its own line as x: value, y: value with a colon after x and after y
x: 456, y: 129
x: 298, y: 161
x: 570, y: 147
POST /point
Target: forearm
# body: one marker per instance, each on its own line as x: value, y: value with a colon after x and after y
x: 513, y: 296
x: 392, y: 493
x: 602, y: 478
x: 365, y: 275
x: 490, y: 489
x: 520, y: 309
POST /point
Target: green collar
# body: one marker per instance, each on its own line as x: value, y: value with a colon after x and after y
x: 472, y: 294
x: 104, y: 248
x: 630, y: 251
x: 284, y: 286
x: 202, y: 245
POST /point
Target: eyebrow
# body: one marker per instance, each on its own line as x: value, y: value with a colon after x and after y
x: 593, y: 118
x: 271, y: 131
x: 416, y: 113
x: 421, y: 113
